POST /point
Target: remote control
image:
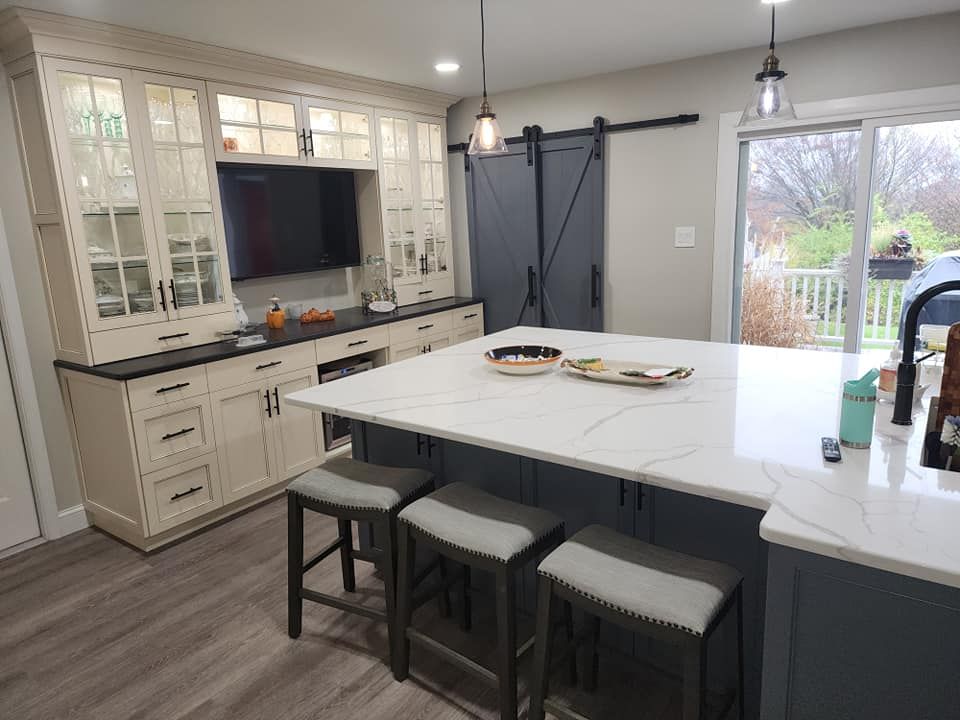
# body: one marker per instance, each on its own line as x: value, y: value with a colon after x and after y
x: 831, y: 449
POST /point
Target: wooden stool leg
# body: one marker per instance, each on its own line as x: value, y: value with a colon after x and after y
x: 389, y: 535
x: 740, y: 697
x: 694, y: 679
x: 466, y: 619
x: 541, y: 649
x: 294, y: 565
x: 406, y: 562
x: 444, y: 598
x: 346, y: 559
x: 507, y: 642
x: 591, y: 661
x: 568, y: 624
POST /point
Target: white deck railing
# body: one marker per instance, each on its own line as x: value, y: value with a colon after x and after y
x: 821, y: 293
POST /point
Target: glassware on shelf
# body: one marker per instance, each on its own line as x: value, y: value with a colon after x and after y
x: 378, y: 293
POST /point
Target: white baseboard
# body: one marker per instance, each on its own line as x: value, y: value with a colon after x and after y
x: 72, y: 520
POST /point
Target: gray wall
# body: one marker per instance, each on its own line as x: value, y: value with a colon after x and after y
x: 26, y: 269
x: 660, y: 179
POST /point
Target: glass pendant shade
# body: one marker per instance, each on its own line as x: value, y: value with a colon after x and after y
x: 769, y: 101
x: 487, y: 139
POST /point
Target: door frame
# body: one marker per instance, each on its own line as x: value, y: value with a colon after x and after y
x: 822, y: 115
x: 28, y: 406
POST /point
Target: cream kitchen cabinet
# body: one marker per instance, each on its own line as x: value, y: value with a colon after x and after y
x: 261, y: 126
x: 260, y: 440
x: 413, y: 197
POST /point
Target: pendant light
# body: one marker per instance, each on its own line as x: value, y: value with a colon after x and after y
x: 769, y: 100
x: 487, y: 138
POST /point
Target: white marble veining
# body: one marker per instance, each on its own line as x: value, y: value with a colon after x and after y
x: 745, y: 429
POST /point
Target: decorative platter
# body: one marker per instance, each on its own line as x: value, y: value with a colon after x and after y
x: 523, y: 359
x: 625, y: 372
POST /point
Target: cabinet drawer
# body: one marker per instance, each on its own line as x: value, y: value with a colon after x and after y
x: 181, y: 493
x: 260, y: 365
x: 122, y: 343
x: 173, y: 433
x: 421, y: 346
x: 468, y: 316
x: 166, y: 388
x: 421, y: 327
x: 470, y: 332
x: 353, y: 343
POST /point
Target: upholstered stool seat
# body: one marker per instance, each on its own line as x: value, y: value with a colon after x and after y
x: 642, y: 580
x: 354, y: 485
x: 476, y: 522
x: 478, y: 530
x: 644, y: 589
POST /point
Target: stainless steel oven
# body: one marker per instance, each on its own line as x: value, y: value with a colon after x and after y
x: 336, y: 429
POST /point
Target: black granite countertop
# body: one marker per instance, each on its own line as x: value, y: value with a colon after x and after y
x: 347, y: 320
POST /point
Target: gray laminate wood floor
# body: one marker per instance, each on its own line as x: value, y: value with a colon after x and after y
x: 90, y: 628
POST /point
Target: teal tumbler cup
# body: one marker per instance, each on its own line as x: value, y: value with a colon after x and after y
x: 856, y: 414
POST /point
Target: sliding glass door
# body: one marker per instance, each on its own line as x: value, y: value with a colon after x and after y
x: 837, y: 229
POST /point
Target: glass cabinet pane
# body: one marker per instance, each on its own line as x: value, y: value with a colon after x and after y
x: 277, y: 114
x: 281, y: 142
x: 160, y: 111
x: 191, y: 236
x: 327, y: 121
x: 237, y: 109
x: 104, y: 175
x: 388, y: 145
x: 356, y: 148
x: 431, y: 159
x: 327, y: 146
x: 355, y: 123
x: 238, y: 139
x: 247, y: 125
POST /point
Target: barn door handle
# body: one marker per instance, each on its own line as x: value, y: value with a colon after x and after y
x: 594, y: 286
x: 531, y: 286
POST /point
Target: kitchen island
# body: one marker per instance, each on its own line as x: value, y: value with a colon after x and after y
x: 852, y: 571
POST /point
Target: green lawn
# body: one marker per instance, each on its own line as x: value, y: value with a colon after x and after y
x: 868, y: 340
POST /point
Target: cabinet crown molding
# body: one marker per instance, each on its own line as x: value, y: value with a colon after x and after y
x: 24, y: 31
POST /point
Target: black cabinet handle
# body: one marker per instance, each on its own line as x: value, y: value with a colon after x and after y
x: 163, y: 295
x: 173, y: 295
x: 425, y: 292
x: 430, y: 347
x: 169, y: 388
x: 276, y: 399
x: 623, y: 492
x: 266, y: 396
x: 430, y: 446
x: 423, y: 264
x: 419, y: 444
x: 425, y: 327
x: 303, y: 137
x: 594, y: 286
x: 191, y: 491
x: 358, y: 342
x: 269, y: 365
x: 173, y: 337
x: 531, y: 286
x: 310, y: 137
x: 471, y: 315
x: 178, y: 433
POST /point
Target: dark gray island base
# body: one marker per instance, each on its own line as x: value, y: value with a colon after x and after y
x: 824, y: 639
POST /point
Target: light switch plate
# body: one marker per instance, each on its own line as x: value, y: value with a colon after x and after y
x: 685, y: 237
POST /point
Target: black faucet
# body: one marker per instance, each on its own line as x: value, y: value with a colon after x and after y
x: 907, y: 372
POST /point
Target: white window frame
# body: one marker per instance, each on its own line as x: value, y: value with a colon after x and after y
x: 866, y: 112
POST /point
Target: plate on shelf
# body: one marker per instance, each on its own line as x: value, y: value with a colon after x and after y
x: 523, y: 359
x: 627, y: 372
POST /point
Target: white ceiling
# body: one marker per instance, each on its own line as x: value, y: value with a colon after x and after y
x: 528, y: 41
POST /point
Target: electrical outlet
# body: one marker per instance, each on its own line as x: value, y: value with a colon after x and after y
x: 685, y: 237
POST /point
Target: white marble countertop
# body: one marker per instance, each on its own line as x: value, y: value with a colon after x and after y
x: 745, y: 429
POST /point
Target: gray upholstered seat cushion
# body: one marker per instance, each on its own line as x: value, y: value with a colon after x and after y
x: 348, y: 483
x: 640, y: 579
x: 478, y: 522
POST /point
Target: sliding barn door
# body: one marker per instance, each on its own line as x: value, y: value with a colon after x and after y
x: 504, y: 250
x: 572, y: 210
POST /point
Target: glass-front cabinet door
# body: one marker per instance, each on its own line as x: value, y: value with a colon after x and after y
x: 434, y: 222
x: 256, y: 125
x: 398, y: 199
x: 107, y: 203
x: 339, y: 135
x: 182, y: 175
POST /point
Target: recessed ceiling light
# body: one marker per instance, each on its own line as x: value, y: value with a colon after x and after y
x: 446, y: 67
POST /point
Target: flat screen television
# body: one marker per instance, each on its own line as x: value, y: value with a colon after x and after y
x: 283, y: 220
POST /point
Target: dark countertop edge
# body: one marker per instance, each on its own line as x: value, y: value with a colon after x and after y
x: 202, y: 354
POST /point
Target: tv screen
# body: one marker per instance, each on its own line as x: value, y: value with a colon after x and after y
x: 282, y: 220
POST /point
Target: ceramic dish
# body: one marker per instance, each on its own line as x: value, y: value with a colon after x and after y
x: 523, y: 359
x: 627, y: 373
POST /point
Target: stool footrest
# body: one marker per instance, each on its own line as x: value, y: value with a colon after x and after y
x: 323, y: 554
x: 452, y: 656
x: 345, y: 605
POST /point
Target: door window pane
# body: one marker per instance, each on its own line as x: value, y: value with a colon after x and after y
x: 185, y: 283
x: 796, y: 236
x: 211, y: 289
x: 238, y: 139
x: 355, y: 123
x: 98, y: 234
x: 187, y: 104
x: 277, y: 114
x: 108, y: 289
x: 77, y: 104
x: 326, y: 146
x: 121, y: 181
x: 160, y: 111
x: 129, y: 232
x: 281, y: 142
x: 237, y: 109
x: 356, y: 148
x: 108, y: 97
x: 196, y: 184
x: 87, y: 170
x: 387, y: 140
x: 324, y: 120
x: 169, y: 173
x: 136, y: 276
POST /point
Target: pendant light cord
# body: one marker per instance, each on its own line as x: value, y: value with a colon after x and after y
x: 483, y: 53
x: 773, y: 26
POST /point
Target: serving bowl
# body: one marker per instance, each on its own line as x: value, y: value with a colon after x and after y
x: 523, y: 359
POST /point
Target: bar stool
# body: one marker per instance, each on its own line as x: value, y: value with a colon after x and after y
x: 481, y: 531
x: 642, y: 588
x: 350, y: 490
